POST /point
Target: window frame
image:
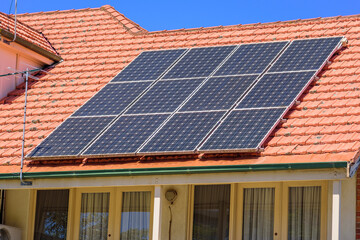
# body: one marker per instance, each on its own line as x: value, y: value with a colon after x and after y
x: 240, y: 205
x: 191, y: 208
x: 323, y: 201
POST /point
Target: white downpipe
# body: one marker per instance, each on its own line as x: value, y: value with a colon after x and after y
x: 336, y: 210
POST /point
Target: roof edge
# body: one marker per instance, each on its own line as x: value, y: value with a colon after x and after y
x: 175, y: 170
x: 31, y: 46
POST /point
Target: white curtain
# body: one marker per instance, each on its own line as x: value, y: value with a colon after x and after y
x: 94, y: 216
x: 211, y: 212
x: 258, y: 213
x: 135, y: 216
x: 304, y: 213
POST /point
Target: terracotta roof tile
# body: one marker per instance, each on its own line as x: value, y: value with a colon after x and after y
x: 97, y: 43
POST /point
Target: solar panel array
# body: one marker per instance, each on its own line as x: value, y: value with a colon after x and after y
x: 212, y: 99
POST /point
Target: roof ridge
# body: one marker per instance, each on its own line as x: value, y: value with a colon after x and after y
x: 116, y: 15
x: 57, y: 11
x: 182, y: 30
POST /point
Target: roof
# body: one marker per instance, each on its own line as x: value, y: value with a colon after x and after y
x: 97, y: 43
x: 27, y: 36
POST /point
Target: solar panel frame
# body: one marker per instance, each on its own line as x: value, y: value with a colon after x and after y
x: 185, y: 50
x: 126, y: 106
x: 233, y: 150
x: 162, y: 85
x: 220, y: 72
x: 126, y: 125
x: 336, y: 48
x: 252, y: 92
x: 169, y: 75
x: 172, y: 117
x: 58, y: 128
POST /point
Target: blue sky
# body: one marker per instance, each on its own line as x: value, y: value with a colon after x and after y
x: 171, y: 14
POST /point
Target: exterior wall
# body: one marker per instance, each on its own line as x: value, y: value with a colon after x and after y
x: 13, y: 58
x: 179, y: 213
x: 347, y: 214
x: 17, y: 209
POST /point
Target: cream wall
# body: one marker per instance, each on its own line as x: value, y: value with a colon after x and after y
x: 14, y: 57
x: 17, y: 209
x: 179, y: 213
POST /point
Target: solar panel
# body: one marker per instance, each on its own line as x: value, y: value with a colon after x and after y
x: 149, y: 65
x: 165, y: 96
x: 243, y: 129
x: 71, y: 137
x: 126, y: 135
x: 219, y: 93
x: 213, y: 99
x: 112, y: 99
x: 199, y: 62
x: 251, y: 58
x: 308, y: 54
x: 183, y: 132
x: 276, y: 89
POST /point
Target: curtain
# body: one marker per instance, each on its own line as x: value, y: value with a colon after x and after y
x: 211, y: 212
x: 51, y: 214
x: 304, y: 213
x: 94, y: 216
x: 258, y: 213
x: 135, y: 216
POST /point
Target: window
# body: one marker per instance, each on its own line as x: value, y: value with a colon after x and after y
x: 51, y: 215
x: 211, y: 212
x: 258, y: 213
x: 135, y: 216
x: 304, y: 213
x: 94, y: 216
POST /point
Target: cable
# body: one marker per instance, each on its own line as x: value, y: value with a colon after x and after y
x: 12, y: 1
x: 170, y: 221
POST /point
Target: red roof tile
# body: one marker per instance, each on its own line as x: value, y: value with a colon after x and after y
x: 97, y: 43
x: 25, y: 32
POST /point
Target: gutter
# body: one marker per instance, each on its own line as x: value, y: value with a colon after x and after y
x: 30, y: 45
x: 175, y: 170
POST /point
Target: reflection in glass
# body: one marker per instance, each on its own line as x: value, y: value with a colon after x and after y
x: 258, y: 216
x: 94, y: 216
x: 135, y: 216
x: 304, y: 213
x: 51, y: 214
x: 211, y: 212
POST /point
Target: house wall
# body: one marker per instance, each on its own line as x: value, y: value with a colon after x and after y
x: 18, y: 210
x: 14, y: 57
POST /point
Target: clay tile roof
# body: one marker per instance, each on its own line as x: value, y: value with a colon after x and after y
x: 97, y: 43
x: 25, y: 32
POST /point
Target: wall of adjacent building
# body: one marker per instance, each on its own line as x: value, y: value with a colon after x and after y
x: 13, y: 58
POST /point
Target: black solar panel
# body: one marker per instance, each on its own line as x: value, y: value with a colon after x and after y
x: 71, y: 137
x: 199, y: 62
x: 126, y: 135
x: 307, y: 54
x: 149, y: 65
x: 112, y: 99
x: 183, y: 132
x: 219, y: 93
x: 251, y: 58
x: 243, y: 129
x: 165, y: 96
x: 276, y: 89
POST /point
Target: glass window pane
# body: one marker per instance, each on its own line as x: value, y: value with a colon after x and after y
x: 94, y: 216
x: 258, y: 213
x: 135, y: 216
x: 304, y: 213
x: 51, y: 214
x: 211, y: 212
